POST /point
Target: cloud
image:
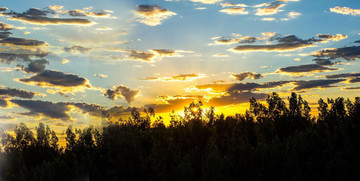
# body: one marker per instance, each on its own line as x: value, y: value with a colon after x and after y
x: 285, y: 43
x: 268, y: 19
x: 56, y: 79
x: 307, y: 68
x: 240, y: 87
x: 83, y: 13
x: 207, y: 1
x: 3, y: 103
x: 171, y: 103
x: 36, y: 66
x: 293, y: 14
x: 48, y: 109
x: 181, y: 77
x: 343, y: 75
x: 77, y: 48
x: 121, y: 91
x: 37, y: 16
x: 21, y: 42
x: 7, y: 126
x: 12, y: 92
x: 329, y: 37
x: 5, y: 34
x: 229, y: 41
x: 270, y: 9
x: 244, y: 75
x: 60, y: 110
x: 138, y: 55
x: 65, y: 61
x: 25, y: 56
x: 221, y: 55
x: 235, y: 98
x: 101, y: 75
x: 104, y: 28
x: 321, y: 61
x: 228, y: 4
x: 345, y: 11
x: 311, y: 84
x: 351, y: 88
x: 153, y: 54
x: 152, y: 15
x: 268, y: 48
x: 234, y: 11
x: 347, y: 53
x: 355, y: 80
x: 55, y: 7
x: 3, y: 9
x: 5, y: 27
x: 164, y: 52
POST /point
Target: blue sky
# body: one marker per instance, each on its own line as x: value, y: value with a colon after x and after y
x: 63, y: 62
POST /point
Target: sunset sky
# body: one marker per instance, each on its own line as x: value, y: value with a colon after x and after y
x: 67, y: 62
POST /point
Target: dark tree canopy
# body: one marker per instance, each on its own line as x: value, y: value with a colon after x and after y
x: 274, y: 141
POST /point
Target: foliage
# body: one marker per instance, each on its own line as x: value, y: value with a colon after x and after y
x: 277, y: 141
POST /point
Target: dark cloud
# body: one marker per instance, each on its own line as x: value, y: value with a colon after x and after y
x: 37, y: 16
x: 77, y: 48
x: 92, y: 109
x: 235, y: 98
x: 355, y: 80
x: 21, y: 42
x: 351, y: 88
x: 12, y: 92
x: 82, y: 13
x: 59, y: 110
x: 48, y: 109
x: 245, y: 39
x: 255, y: 86
x: 5, y: 27
x: 277, y: 47
x: 5, y: 34
x: 285, y: 43
x: 343, y: 75
x: 337, y: 37
x: 311, y: 84
x: 3, y: 102
x: 36, y: 66
x: 307, y: 68
x: 152, y: 54
x: 244, y: 75
x: 347, y: 53
x: 3, y: 9
x: 121, y: 91
x: 137, y: 55
x: 241, y: 87
x: 55, y: 78
x: 322, y: 61
x: 13, y: 57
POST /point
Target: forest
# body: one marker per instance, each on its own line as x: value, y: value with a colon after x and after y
x: 275, y: 140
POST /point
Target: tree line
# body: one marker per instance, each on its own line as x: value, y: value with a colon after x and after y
x: 272, y: 141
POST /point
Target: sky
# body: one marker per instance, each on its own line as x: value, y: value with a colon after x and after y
x: 68, y: 62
